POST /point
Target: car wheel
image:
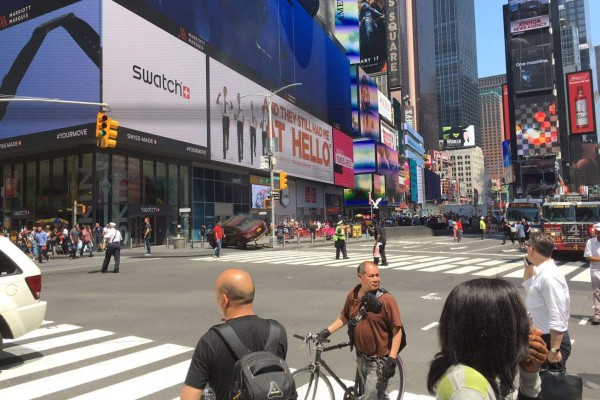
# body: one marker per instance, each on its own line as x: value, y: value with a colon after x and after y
x: 240, y: 245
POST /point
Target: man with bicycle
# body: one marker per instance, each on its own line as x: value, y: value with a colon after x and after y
x: 375, y: 329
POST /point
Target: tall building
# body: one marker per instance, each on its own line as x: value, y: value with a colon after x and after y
x: 468, y: 168
x: 492, y: 124
x: 456, y: 64
x: 427, y: 101
x: 491, y: 82
x: 571, y: 56
x: 597, y: 51
x: 576, y: 13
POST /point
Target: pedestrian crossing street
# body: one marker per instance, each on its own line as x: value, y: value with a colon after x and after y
x: 64, y: 361
x: 509, y: 267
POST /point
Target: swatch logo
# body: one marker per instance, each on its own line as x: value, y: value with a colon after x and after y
x: 160, y: 81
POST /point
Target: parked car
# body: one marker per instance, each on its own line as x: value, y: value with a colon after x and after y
x: 239, y: 231
x: 21, y: 310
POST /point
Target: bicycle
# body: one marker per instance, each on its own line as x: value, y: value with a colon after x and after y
x: 312, y: 383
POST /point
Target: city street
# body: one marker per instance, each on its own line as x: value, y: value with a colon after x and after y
x: 131, y: 335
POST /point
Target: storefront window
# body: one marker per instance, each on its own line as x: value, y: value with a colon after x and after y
x: 57, y: 199
x: 148, y: 182
x: 30, y: 195
x: 134, y: 181
x: 102, y: 183
x: 161, y: 182
x: 73, y: 179
x: 119, y: 180
x: 43, y: 205
x: 172, y: 188
x: 184, y: 179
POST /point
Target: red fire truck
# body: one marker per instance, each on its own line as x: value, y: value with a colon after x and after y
x: 569, y: 218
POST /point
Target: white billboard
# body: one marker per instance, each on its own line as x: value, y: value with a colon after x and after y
x: 389, y: 136
x: 238, y: 128
x: 529, y: 24
x: 385, y: 106
x: 151, y: 78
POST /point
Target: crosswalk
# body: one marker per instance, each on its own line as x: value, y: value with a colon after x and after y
x: 64, y: 361
x: 509, y: 267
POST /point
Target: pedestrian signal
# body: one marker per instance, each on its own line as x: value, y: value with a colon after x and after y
x: 267, y: 203
x: 283, y: 180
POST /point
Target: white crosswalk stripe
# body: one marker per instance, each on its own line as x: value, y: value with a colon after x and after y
x: 510, y: 267
x: 72, y: 373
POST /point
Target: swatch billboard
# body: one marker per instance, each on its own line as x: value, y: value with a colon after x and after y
x: 43, y: 55
x: 239, y: 114
x: 532, y: 61
x: 343, y: 164
x: 150, y: 90
x: 582, y: 117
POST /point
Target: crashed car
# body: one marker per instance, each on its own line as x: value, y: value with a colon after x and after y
x: 239, y: 231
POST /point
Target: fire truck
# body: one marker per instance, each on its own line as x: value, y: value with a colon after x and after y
x: 529, y: 209
x: 569, y: 218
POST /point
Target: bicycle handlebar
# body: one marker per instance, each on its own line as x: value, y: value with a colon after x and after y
x: 337, y: 346
x: 313, y: 337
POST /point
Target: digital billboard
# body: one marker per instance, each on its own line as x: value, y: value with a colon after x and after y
x: 526, y: 9
x: 272, y: 42
x: 389, y: 136
x: 387, y: 165
x: 368, y: 102
x: 346, y: 28
x: 343, y: 163
x: 536, y: 126
x: 151, y: 90
x: 532, y: 61
x: 259, y: 194
x: 43, y: 54
x: 238, y: 128
x: 506, y: 111
x: 582, y: 118
x: 354, y: 100
x: 359, y: 196
x: 506, y: 154
x: 364, y: 157
x: 458, y: 137
x: 372, y: 27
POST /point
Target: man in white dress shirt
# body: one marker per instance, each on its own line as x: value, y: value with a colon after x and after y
x: 592, y: 254
x: 112, y: 239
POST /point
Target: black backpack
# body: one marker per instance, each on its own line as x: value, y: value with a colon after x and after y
x: 260, y: 374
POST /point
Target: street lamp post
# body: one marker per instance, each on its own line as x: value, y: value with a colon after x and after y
x: 268, y: 96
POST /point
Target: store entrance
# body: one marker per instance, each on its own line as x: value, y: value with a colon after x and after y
x: 137, y: 229
x: 17, y: 223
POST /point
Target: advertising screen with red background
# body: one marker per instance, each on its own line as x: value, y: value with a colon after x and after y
x: 506, y: 112
x: 343, y: 159
x: 582, y: 118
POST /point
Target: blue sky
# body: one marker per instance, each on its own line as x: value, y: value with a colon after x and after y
x: 490, y: 41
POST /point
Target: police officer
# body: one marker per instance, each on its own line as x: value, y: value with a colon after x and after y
x: 339, y: 239
x: 112, y: 241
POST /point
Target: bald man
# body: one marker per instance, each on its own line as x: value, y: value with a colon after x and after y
x: 213, y: 362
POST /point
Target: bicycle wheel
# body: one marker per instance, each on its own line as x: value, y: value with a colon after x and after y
x: 309, y: 386
x: 395, y: 389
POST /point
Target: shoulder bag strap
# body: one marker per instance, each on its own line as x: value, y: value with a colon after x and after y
x: 232, y: 340
x: 274, y: 336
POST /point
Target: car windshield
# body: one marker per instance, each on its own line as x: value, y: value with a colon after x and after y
x: 516, y: 214
x: 587, y: 212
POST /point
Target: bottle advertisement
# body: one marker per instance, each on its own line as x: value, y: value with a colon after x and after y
x: 581, y: 106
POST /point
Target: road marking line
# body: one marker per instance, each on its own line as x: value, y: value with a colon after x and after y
x: 473, y: 261
x: 431, y: 325
x: 423, y: 265
x: 55, y: 383
x: 583, y: 276
x: 438, y: 268
x: 494, y: 271
x: 463, y: 270
x: 143, y: 385
x: 51, y: 330
x: 584, y: 321
x: 71, y: 356
x: 567, y: 269
x: 492, y: 262
x: 56, y: 342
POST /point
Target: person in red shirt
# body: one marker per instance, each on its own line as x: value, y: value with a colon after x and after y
x: 459, y: 229
x: 219, y: 238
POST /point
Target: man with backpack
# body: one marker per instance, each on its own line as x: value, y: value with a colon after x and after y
x: 227, y: 350
x: 374, y: 328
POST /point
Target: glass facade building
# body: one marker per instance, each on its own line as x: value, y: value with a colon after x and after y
x: 456, y: 64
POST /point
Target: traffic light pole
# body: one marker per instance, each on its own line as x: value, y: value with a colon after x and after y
x: 271, y: 163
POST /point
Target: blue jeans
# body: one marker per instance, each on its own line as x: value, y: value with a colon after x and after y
x: 374, y: 386
x: 218, y: 248
x: 148, y: 245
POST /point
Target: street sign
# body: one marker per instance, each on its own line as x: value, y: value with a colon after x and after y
x: 275, y: 195
x: 185, y: 210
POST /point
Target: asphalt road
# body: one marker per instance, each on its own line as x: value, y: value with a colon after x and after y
x: 171, y: 301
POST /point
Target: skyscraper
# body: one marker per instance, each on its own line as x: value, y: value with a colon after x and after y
x: 456, y: 64
x: 492, y: 123
x: 576, y: 12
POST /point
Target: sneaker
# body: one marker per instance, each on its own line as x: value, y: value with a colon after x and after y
x: 147, y: 254
x: 595, y: 321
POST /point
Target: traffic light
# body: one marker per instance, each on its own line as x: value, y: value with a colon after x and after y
x: 109, y: 139
x: 283, y: 180
x: 101, y: 125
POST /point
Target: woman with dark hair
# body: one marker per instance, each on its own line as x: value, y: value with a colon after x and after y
x: 484, y: 335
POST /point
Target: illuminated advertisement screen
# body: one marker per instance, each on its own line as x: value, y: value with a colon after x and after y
x: 359, y: 196
x: 343, y: 163
x: 43, y: 54
x: 372, y: 27
x: 506, y: 111
x: 238, y: 128
x: 387, y: 165
x: 536, y: 126
x: 272, y: 42
x: 379, y: 188
x: 582, y: 118
x: 532, y: 61
x: 354, y: 100
x: 151, y: 90
x: 346, y: 28
x: 364, y: 157
x: 506, y: 154
x: 389, y: 136
x: 458, y: 137
x: 368, y: 102
x: 259, y: 194
x: 527, y: 9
